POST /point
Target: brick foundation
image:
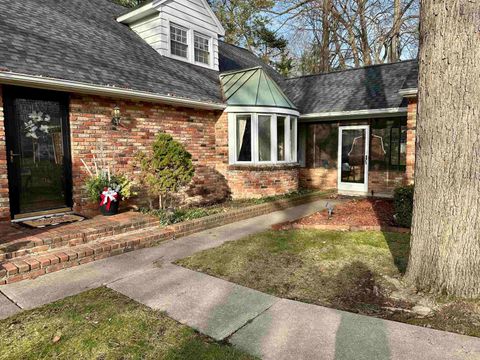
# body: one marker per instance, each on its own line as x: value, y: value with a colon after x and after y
x: 4, y: 199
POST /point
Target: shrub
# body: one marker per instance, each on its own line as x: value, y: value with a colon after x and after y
x: 403, y: 199
x: 166, y: 168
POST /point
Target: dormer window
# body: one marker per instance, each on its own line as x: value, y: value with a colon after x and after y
x: 202, y: 48
x: 178, y: 41
x: 185, y: 30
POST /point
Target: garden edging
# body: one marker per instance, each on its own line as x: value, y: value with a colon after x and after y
x: 95, y: 239
x: 216, y: 220
x: 290, y: 225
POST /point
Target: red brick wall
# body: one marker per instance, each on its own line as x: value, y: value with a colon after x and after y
x: 251, y: 181
x: 91, y: 128
x: 318, y: 178
x: 4, y: 199
x: 411, y: 134
x: 384, y: 182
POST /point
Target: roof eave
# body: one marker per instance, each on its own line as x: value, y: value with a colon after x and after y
x: 10, y: 78
x: 353, y: 114
x: 409, y: 92
x: 137, y: 14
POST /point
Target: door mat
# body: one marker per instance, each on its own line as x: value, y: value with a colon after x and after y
x: 53, y: 220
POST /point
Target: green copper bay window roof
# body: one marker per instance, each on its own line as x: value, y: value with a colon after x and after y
x: 253, y: 87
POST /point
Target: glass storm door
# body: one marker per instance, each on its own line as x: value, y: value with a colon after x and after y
x: 353, y: 159
x: 38, y: 150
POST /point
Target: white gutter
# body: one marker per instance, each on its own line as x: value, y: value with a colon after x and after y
x: 355, y: 114
x: 10, y: 78
x: 411, y: 92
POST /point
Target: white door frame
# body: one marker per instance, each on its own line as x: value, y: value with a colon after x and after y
x: 353, y: 188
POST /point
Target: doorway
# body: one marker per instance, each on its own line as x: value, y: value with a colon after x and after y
x: 353, y: 157
x: 38, y: 150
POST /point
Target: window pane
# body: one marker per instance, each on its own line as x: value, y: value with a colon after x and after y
x: 202, y: 53
x: 293, y: 139
x: 281, y: 120
x: 403, y: 146
x: 394, y: 146
x: 244, y: 136
x: 178, y: 41
x: 264, y: 138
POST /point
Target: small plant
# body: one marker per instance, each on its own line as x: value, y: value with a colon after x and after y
x: 403, y: 200
x: 166, y: 169
x: 107, y: 189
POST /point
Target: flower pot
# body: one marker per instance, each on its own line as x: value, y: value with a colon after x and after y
x: 113, y: 210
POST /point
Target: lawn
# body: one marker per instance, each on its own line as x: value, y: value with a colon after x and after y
x: 353, y: 271
x: 103, y: 324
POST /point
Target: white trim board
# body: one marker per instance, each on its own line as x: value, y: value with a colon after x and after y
x: 261, y: 109
x: 411, y: 92
x: 355, y: 114
x: 85, y: 88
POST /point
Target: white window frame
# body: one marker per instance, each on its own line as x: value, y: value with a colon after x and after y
x: 191, y: 31
x: 232, y: 139
x: 188, y: 44
x: 209, y: 39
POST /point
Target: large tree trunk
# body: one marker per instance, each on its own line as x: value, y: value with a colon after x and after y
x: 445, y: 253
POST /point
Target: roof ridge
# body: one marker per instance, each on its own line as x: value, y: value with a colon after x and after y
x: 237, y: 46
x: 352, y: 69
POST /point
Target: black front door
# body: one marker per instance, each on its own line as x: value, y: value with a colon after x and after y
x: 38, y: 150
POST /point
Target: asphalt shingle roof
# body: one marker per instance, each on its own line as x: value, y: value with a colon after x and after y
x: 80, y: 40
x: 371, y: 87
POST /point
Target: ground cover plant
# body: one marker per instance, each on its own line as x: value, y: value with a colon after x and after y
x: 359, y: 272
x: 103, y: 324
x: 168, y: 217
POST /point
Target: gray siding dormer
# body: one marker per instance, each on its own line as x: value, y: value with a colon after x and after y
x: 188, y: 25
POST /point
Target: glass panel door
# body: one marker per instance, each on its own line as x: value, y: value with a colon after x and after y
x: 353, y: 159
x: 37, y: 154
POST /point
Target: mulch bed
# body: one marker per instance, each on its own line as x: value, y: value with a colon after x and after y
x: 357, y: 214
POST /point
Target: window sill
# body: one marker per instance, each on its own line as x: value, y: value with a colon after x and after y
x: 264, y: 167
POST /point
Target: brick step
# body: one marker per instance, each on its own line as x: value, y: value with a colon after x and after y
x: 34, y: 265
x: 75, y: 234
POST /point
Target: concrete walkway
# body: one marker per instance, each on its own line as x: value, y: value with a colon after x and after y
x: 263, y: 325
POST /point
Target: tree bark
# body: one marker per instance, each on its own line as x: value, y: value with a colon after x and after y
x: 394, y: 55
x: 445, y: 246
x: 325, y: 49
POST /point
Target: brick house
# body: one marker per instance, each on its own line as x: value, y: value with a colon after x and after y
x: 65, y: 69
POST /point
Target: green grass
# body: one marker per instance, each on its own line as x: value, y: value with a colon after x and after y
x: 351, y: 271
x: 321, y: 267
x: 102, y: 324
x: 180, y: 215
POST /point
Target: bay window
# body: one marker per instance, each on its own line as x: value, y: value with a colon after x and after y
x: 262, y: 138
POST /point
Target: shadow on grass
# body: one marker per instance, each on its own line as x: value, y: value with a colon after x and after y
x: 399, y: 246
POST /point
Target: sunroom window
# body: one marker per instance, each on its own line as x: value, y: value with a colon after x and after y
x: 243, y: 129
x: 263, y: 138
